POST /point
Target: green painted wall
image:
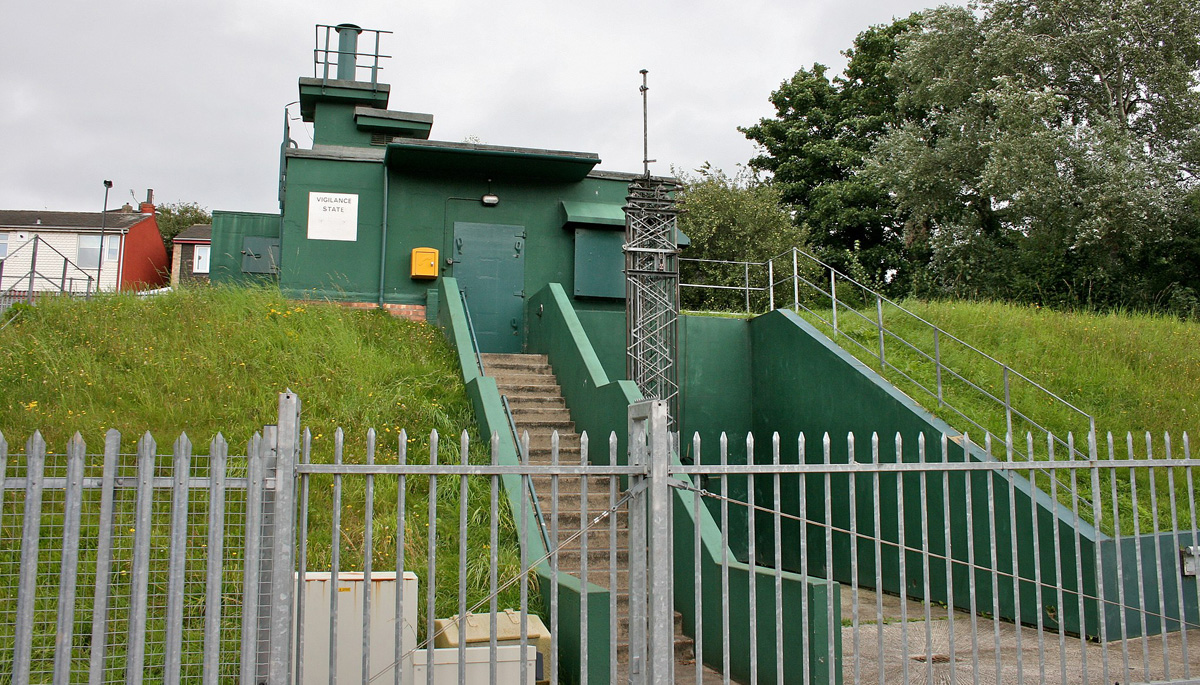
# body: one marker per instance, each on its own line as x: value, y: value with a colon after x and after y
x: 422, y: 211
x: 777, y: 373
x: 337, y: 270
x: 333, y: 124
x: 803, y: 384
x: 605, y: 328
x: 229, y: 229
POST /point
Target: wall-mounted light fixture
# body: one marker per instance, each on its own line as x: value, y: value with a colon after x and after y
x: 489, y: 198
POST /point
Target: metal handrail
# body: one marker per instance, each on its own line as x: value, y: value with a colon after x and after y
x: 830, y: 317
x: 512, y: 424
x: 33, y: 276
x: 321, y: 63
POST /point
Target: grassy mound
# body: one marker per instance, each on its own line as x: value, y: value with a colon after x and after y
x: 1132, y: 372
x: 211, y: 360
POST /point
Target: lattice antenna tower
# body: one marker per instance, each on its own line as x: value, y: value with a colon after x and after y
x: 652, y: 281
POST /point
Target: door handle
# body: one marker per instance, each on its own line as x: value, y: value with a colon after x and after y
x: 458, y: 243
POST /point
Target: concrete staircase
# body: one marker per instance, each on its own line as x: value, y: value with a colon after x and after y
x: 539, y: 409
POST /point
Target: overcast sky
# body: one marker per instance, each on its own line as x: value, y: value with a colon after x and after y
x: 188, y: 98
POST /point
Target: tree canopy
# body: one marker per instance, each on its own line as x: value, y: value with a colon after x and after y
x: 175, y: 217
x: 736, y: 218
x: 1033, y: 150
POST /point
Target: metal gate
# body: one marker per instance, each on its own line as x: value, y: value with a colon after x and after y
x: 872, y: 561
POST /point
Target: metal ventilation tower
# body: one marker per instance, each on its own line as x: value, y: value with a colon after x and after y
x: 651, y: 282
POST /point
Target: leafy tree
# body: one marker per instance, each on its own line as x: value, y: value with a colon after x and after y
x: 1042, y: 165
x: 1035, y: 150
x: 738, y: 218
x: 814, y: 149
x: 174, y: 217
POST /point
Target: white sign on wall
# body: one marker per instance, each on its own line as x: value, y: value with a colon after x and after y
x: 333, y: 216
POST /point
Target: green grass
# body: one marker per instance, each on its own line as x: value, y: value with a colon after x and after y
x: 212, y: 360
x: 1131, y: 372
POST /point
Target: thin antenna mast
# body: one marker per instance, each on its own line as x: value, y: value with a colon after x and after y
x: 645, y: 127
x: 651, y: 281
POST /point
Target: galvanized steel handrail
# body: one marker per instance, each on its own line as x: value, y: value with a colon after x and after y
x: 33, y: 276
x: 522, y: 448
x: 830, y: 291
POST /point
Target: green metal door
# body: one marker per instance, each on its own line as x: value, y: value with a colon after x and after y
x: 489, y: 263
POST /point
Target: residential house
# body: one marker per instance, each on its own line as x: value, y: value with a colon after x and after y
x: 190, y: 256
x: 81, y: 252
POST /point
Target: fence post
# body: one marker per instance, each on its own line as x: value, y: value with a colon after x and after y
x: 937, y: 362
x: 879, y: 323
x: 746, y: 266
x: 1007, y: 406
x: 268, y: 545
x: 35, y: 456
x: 287, y: 444
x: 649, y: 422
x: 795, y: 281
x: 32, y: 269
x: 771, y: 284
x: 833, y: 297
x: 637, y: 545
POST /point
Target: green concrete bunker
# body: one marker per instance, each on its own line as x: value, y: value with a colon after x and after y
x: 529, y: 246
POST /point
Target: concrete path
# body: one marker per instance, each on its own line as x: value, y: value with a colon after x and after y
x: 924, y: 653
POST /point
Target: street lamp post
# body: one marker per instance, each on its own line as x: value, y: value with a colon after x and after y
x: 103, y: 225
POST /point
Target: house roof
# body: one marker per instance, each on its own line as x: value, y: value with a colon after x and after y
x: 75, y: 222
x: 196, y: 233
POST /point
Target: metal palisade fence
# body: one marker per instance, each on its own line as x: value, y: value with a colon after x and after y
x: 864, y: 559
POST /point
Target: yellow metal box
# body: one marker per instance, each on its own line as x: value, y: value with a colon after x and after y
x: 424, y: 262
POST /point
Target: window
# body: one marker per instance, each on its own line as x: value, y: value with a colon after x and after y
x: 200, y: 259
x: 3, y: 245
x: 113, y: 245
x: 89, y: 252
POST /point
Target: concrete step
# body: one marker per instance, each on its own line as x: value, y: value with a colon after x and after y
x: 525, y: 414
x: 537, y: 402
x: 567, y: 456
x: 527, y: 391
x: 598, y: 559
x: 685, y: 650
x: 569, y: 514
x: 540, y: 424
x: 569, y: 490
x: 506, y: 378
x: 539, y: 439
x: 598, y: 541
x: 514, y: 359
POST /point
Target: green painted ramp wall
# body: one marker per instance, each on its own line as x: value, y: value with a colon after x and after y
x: 806, y: 385
x: 776, y: 373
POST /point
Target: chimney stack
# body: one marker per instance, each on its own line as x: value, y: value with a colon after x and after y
x: 148, y: 206
x: 347, y: 64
